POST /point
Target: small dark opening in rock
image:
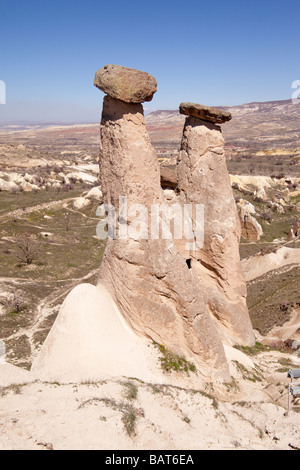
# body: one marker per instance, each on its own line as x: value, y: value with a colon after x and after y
x: 188, y: 262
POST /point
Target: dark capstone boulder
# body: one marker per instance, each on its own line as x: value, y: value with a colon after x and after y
x: 125, y: 84
x: 206, y: 113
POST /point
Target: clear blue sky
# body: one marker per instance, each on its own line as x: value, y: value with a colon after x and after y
x: 222, y: 52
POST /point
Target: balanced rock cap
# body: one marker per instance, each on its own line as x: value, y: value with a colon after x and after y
x: 122, y: 83
x: 206, y: 113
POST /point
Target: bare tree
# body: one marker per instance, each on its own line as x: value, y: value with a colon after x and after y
x: 28, y: 248
x: 17, y: 302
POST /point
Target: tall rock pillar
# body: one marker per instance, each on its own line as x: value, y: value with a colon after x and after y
x: 147, y: 276
x: 203, y: 179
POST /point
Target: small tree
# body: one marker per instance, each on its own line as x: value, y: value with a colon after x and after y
x: 28, y: 248
x: 17, y: 302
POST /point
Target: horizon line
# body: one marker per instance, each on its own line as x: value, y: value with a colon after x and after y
x: 65, y: 122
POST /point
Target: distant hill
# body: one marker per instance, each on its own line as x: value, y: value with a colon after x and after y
x: 262, y: 138
x: 258, y: 125
x: 15, y: 126
x: 253, y: 125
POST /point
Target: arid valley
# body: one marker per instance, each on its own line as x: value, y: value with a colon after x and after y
x: 49, y: 196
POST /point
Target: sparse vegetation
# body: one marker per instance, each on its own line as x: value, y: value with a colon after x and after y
x: 18, y: 350
x: 129, y: 419
x: 131, y: 390
x: 47, y: 246
x: 172, y: 361
x: 254, y: 375
x: 28, y: 248
x: 16, y: 303
x: 253, y: 350
x: 129, y: 413
x: 287, y: 364
x: 14, y: 388
x: 267, y: 296
x: 215, y: 403
x: 260, y: 431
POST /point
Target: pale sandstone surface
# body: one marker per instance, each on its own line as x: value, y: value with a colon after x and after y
x: 87, y: 415
x: 290, y: 329
x: 258, y: 265
x: 148, y: 278
x: 91, y: 341
x: 203, y: 179
x: 295, y: 230
x: 258, y: 181
x: 168, y: 178
x: 12, y: 375
x: 250, y: 228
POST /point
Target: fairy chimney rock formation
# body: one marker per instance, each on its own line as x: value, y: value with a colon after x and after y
x: 203, y: 179
x: 183, y: 292
x: 148, y: 276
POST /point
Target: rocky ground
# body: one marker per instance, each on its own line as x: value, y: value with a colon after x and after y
x: 48, y: 244
x: 126, y: 413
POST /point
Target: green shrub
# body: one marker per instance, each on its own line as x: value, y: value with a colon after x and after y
x: 172, y: 361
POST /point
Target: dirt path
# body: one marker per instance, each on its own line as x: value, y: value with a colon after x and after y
x: 38, y: 207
